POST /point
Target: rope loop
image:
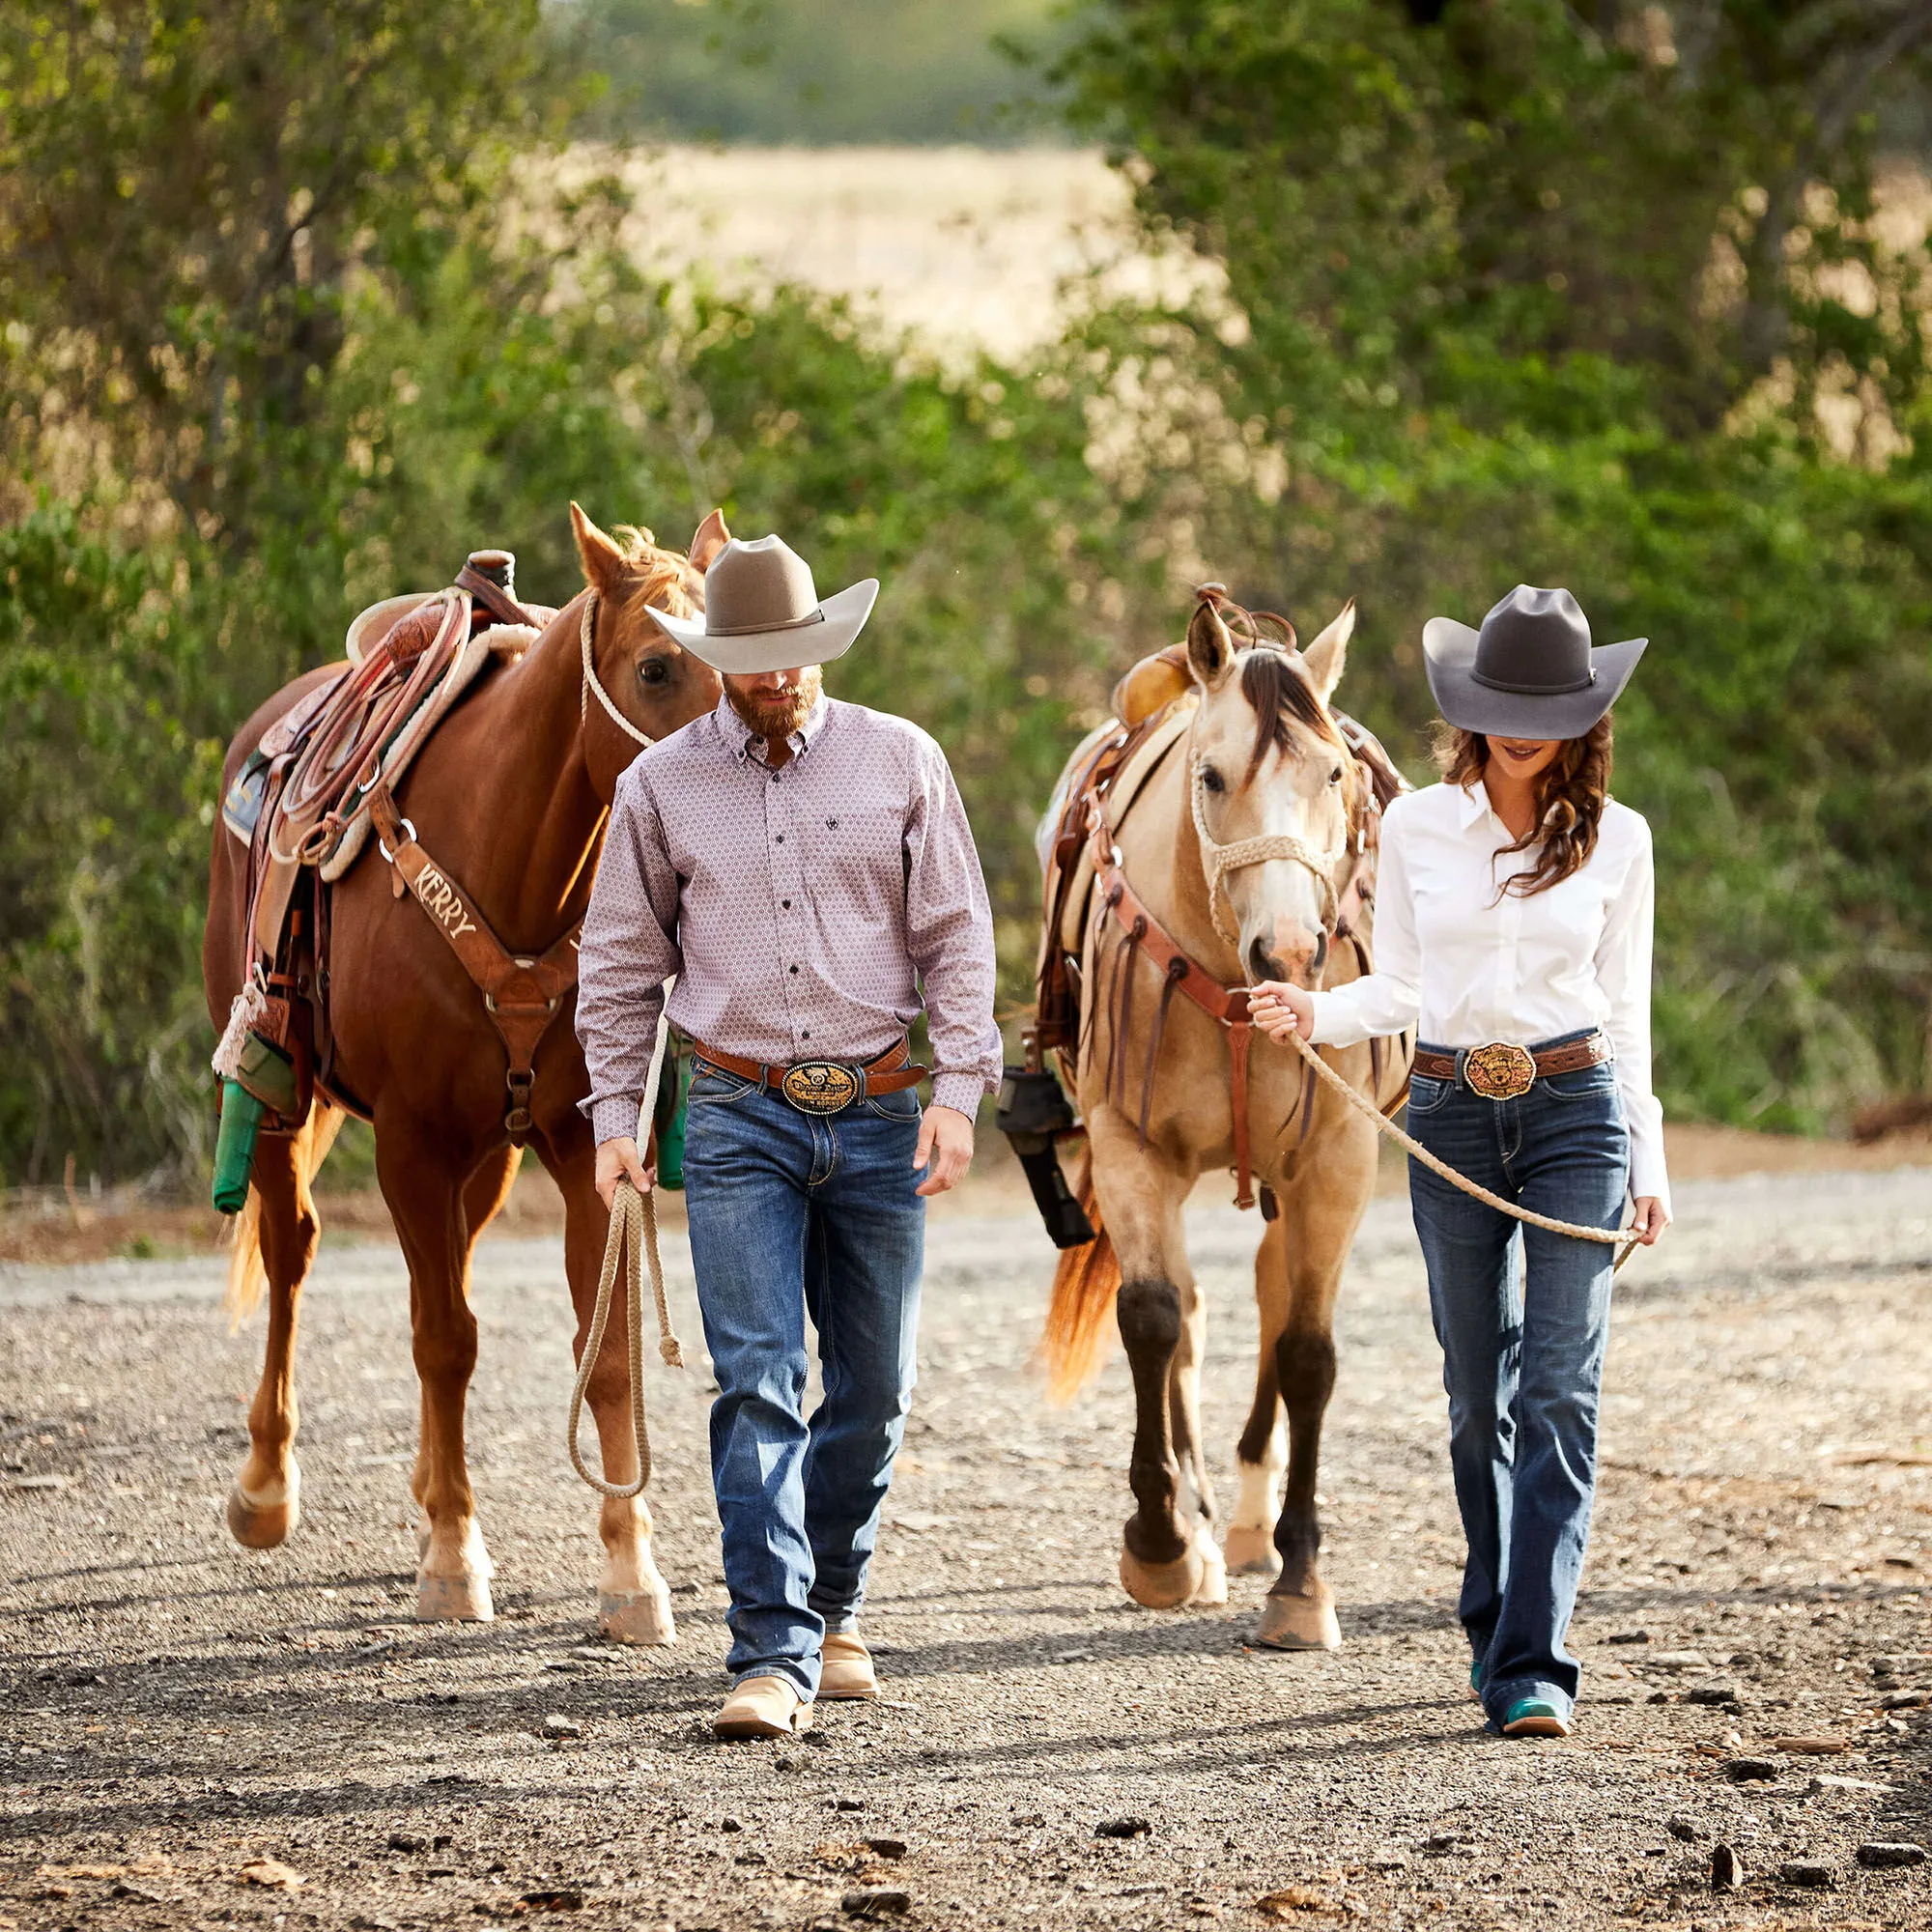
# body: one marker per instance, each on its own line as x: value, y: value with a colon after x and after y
x: 591, y: 683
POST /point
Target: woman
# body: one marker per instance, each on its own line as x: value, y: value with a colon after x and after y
x: 1513, y: 931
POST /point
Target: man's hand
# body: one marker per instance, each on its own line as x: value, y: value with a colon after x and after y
x: 619, y: 1160
x: 1650, y: 1221
x: 1280, y: 1010
x: 945, y: 1144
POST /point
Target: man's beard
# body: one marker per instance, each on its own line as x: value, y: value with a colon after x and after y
x: 777, y: 716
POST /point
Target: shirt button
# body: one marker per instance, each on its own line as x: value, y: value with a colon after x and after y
x: 786, y: 903
x: 805, y: 1034
x: 781, y: 839
x: 775, y: 778
x: 794, y: 972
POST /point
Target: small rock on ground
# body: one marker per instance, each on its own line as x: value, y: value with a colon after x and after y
x: 1882, y: 1853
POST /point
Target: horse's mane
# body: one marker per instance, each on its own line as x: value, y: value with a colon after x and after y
x: 658, y: 574
x: 1277, y: 689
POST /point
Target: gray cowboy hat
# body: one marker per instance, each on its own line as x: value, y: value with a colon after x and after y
x: 1530, y: 672
x: 761, y: 611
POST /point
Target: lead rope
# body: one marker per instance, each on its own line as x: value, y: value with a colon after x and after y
x: 1610, y: 1235
x: 632, y: 1240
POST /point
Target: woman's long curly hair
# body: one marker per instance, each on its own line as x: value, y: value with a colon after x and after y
x: 1570, y: 795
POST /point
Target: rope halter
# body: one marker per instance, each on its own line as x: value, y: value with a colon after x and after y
x: 1221, y: 859
x: 591, y: 683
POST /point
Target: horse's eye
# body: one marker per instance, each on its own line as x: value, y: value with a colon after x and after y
x: 654, y: 670
x: 1211, y: 780
x: 1335, y: 777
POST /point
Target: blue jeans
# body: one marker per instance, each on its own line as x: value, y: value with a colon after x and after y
x: 792, y: 1214
x: 1522, y: 1316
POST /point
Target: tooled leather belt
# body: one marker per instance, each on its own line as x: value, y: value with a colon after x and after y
x: 1502, y: 1071
x: 823, y: 1086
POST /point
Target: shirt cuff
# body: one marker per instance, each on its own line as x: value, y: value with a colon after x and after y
x: 1334, y: 1025
x: 614, y: 1116
x: 962, y: 1092
x: 1648, y: 1174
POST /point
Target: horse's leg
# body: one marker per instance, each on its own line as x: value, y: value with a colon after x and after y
x: 1263, y: 1452
x: 1161, y: 1563
x: 633, y: 1600
x: 1183, y: 1401
x: 426, y: 1197
x: 266, y: 1502
x: 484, y: 1194
x: 1319, y: 1215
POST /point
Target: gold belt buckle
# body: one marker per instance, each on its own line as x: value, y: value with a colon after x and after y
x: 1499, y: 1070
x: 820, y: 1087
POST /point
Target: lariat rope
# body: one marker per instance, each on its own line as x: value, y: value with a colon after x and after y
x: 1612, y: 1236
x: 632, y: 1239
x: 1222, y: 859
x: 591, y: 682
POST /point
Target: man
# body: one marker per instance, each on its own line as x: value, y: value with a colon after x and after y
x: 804, y: 866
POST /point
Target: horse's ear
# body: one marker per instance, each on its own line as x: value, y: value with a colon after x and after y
x: 712, y: 537
x: 1210, y: 650
x: 1327, y: 656
x: 605, y: 567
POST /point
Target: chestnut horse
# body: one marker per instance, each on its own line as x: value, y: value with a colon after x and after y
x: 1263, y: 759
x: 511, y: 795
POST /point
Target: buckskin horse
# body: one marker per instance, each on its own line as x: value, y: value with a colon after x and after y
x: 510, y: 794
x: 1229, y: 839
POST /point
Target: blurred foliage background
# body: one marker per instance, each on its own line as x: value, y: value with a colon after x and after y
x: 294, y: 312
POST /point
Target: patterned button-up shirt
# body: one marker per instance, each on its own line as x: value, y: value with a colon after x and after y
x: 801, y: 909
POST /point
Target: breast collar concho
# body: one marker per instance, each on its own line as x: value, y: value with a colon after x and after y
x: 1228, y: 1006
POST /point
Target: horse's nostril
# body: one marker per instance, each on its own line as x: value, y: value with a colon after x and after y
x: 1263, y: 963
x: 1321, y: 953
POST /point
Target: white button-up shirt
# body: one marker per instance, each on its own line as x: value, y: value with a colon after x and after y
x: 1463, y: 965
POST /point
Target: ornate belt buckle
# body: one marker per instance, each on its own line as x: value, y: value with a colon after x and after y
x: 1500, y: 1071
x: 820, y: 1087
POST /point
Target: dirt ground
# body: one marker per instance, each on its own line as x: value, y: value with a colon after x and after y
x: 194, y: 1735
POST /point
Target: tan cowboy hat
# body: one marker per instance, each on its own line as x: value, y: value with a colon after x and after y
x: 761, y: 611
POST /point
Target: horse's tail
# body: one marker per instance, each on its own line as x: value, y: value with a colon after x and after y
x: 1085, y: 1288
x: 248, y: 1277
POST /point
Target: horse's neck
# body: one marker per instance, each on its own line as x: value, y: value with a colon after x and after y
x: 513, y: 778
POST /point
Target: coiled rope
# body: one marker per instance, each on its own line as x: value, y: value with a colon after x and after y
x: 633, y: 1241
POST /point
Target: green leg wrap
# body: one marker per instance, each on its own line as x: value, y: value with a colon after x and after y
x: 235, y: 1146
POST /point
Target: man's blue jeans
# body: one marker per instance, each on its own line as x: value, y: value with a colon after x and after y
x: 1522, y: 1316
x: 790, y: 1215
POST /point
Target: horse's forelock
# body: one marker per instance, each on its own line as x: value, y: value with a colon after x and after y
x: 659, y: 576
x: 1278, y: 691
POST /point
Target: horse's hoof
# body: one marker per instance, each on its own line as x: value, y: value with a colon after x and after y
x: 258, y: 1523
x: 1250, y: 1550
x: 1302, y: 1622
x: 1212, y: 1589
x: 1162, y: 1587
x: 454, y: 1600
x: 636, y: 1616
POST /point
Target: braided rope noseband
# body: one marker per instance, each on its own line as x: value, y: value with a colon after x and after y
x: 1221, y: 859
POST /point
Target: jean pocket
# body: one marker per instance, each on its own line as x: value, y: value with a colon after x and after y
x: 1425, y: 1095
x: 712, y: 1086
x: 902, y: 1106
x: 1586, y: 1083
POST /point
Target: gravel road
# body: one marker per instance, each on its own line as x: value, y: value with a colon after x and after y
x: 192, y: 1734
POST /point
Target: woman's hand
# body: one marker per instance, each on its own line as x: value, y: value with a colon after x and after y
x: 1651, y: 1219
x: 1280, y: 1010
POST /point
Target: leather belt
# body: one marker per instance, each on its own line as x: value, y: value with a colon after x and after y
x: 823, y: 1086
x: 1502, y: 1071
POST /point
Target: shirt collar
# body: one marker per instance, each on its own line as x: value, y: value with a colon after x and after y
x: 1474, y: 803
x: 740, y: 738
